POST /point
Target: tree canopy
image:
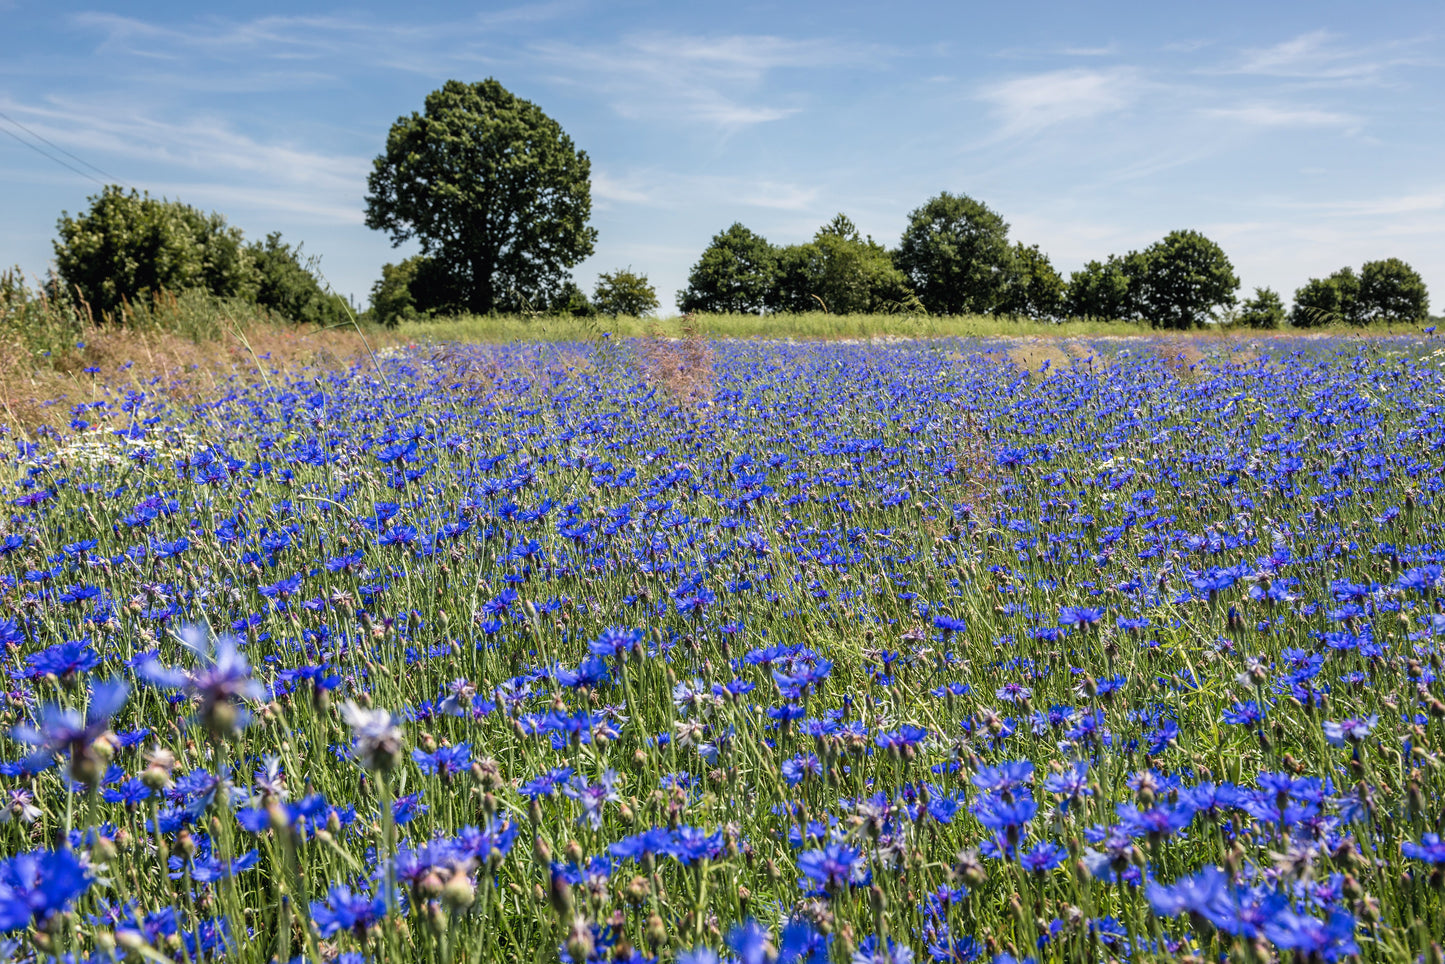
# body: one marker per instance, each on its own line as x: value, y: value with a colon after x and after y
x: 624, y: 292
x: 1392, y: 292
x: 130, y: 246
x: 1034, y: 288
x: 839, y: 271
x: 492, y: 188
x: 1183, y: 280
x: 956, y: 255
x: 1101, y: 290
x: 735, y: 274
x: 1263, y: 310
x: 1325, y: 301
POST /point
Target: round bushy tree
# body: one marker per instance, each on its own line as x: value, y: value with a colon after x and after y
x: 1102, y: 290
x: 288, y: 287
x: 734, y: 274
x: 1264, y: 310
x: 1035, y: 289
x: 1392, y: 292
x: 1185, y: 279
x: 840, y: 271
x: 955, y: 255
x: 624, y: 292
x: 1327, y: 301
x: 494, y: 190
x: 129, y: 246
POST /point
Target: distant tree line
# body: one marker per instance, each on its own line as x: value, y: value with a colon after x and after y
x: 499, y: 198
x: 955, y: 257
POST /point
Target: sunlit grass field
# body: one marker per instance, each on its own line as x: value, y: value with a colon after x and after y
x: 624, y: 643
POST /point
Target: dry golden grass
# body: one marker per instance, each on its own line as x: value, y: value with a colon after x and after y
x: 36, y: 393
x: 683, y: 367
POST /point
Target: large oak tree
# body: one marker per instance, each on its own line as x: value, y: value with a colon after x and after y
x: 494, y: 190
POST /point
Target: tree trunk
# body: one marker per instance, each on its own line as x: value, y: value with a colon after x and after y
x: 483, y: 298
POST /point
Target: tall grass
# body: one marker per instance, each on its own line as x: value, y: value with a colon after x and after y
x: 820, y: 325
x: 53, y: 350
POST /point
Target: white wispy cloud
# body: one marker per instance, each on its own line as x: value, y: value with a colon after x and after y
x: 680, y: 191
x: 204, y: 151
x: 345, y: 43
x: 719, y: 81
x: 1267, y: 115
x: 1029, y: 104
x: 1320, y: 57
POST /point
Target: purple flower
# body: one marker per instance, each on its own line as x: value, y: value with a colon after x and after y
x: 221, y: 679
x: 616, y: 642
x: 343, y: 910
x: 35, y: 885
x: 1430, y: 849
x: 1324, y: 940
x: 592, y: 796
x: 446, y: 762
x: 834, y: 867
x: 65, y: 732
x: 1001, y: 815
x: 1349, y: 731
x: 1045, y: 856
x: 1005, y: 776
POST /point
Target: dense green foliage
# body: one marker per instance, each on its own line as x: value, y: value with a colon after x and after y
x: 624, y: 292
x: 839, y: 270
x: 418, y: 287
x: 1393, y: 292
x: 1264, y: 310
x: 286, y: 286
x: 956, y: 255
x: 1101, y: 290
x: 1183, y: 280
x: 492, y: 188
x: 1035, y: 288
x: 130, y: 247
x: 1325, y: 301
x: 735, y: 274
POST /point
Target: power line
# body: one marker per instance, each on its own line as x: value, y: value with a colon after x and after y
x: 52, y: 157
x: 62, y: 150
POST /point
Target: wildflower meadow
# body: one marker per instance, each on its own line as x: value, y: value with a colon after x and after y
x: 763, y: 652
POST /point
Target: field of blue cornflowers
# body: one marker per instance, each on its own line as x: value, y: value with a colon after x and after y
x: 851, y: 652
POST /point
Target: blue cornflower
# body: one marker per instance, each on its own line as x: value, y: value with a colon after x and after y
x: 592, y: 796
x: 545, y: 784
x: 1005, y: 776
x: 63, y: 660
x: 905, y: 738
x: 35, y: 885
x: 343, y: 910
x: 1044, y: 856
x: 132, y: 793
x: 616, y: 642
x: 874, y: 950
x: 446, y: 762
x: 1342, y: 732
x: 221, y: 679
x: 406, y: 809
x: 1430, y: 849
x: 65, y: 732
x: 834, y: 867
x: 1332, y: 939
x: 1244, y: 713
x: 1002, y: 815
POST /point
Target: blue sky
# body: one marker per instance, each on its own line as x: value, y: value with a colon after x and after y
x: 1301, y: 136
